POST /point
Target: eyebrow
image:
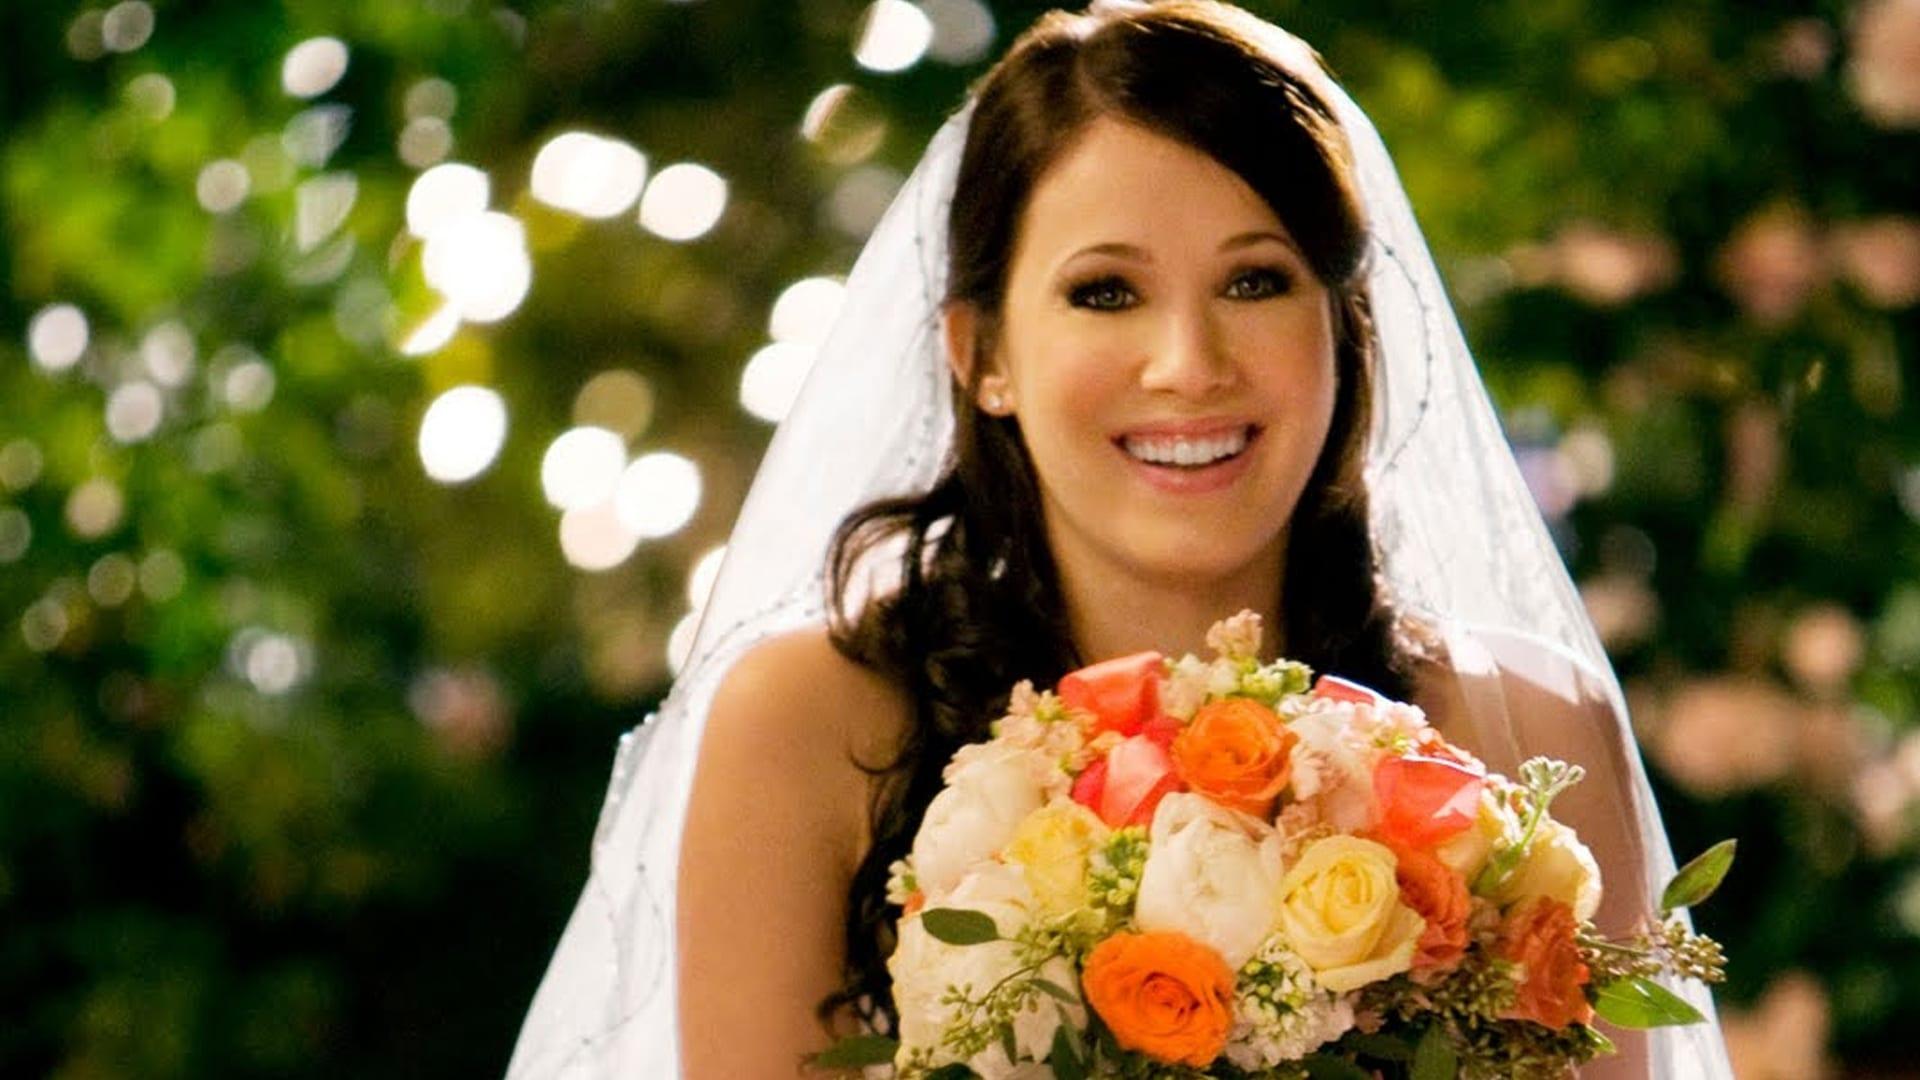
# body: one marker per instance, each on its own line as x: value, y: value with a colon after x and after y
x: 1140, y: 254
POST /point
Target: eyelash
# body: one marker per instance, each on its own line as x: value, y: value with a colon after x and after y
x: 1083, y: 295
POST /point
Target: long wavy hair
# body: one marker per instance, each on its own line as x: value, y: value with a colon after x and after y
x: 979, y: 603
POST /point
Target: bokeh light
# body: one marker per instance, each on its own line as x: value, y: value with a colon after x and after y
x: 806, y: 310
x: 680, y: 641
x: 683, y: 202
x: 44, y: 624
x: 20, y: 464
x: 222, y: 186
x: 95, y: 508
x: 134, y: 411
x: 313, y: 67
x: 589, y: 175
x: 433, y: 332
x: 479, y: 262
x: 112, y: 579
x: 860, y: 199
x: 431, y: 96
x: 311, y: 137
x: 844, y: 124
x: 658, y: 494
x: 706, y: 571
x: 152, y: 95
x: 461, y: 433
x: 127, y: 26
x: 16, y: 533
x: 581, y: 467
x: 618, y: 400
x: 425, y: 141
x: 162, y: 575
x: 248, y: 385
x: 321, y: 206
x: 167, y: 352
x: 772, y: 379
x: 962, y: 30
x: 894, y: 35
x: 595, y: 538
x: 57, y: 336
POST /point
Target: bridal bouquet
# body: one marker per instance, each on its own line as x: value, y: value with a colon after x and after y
x: 1196, y: 868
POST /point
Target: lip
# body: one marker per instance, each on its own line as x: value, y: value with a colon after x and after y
x: 1178, y: 480
x: 1191, y: 429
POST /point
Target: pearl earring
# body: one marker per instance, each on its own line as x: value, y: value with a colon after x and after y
x: 995, y: 402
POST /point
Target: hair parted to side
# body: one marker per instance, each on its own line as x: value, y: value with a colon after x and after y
x: 979, y: 604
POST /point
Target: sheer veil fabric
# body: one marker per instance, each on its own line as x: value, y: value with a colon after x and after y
x: 1459, y: 537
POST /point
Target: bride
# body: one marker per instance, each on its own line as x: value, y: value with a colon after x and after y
x: 1150, y: 337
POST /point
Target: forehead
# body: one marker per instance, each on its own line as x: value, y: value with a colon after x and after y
x: 1122, y: 182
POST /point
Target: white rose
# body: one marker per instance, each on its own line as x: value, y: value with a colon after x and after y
x: 1334, y: 766
x: 1559, y: 867
x: 1211, y: 874
x: 924, y: 968
x: 991, y: 788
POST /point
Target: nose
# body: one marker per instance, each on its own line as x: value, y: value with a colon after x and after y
x: 1188, y: 356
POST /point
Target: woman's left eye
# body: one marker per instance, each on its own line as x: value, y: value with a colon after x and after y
x: 1259, y: 284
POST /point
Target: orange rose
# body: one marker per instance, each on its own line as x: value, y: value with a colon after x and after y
x: 1236, y: 752
x: 1538, y: 935
x: 1433, y: 889
x: 1163, y: 994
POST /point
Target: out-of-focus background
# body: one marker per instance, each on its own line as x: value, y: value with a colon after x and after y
x: 379, y: 377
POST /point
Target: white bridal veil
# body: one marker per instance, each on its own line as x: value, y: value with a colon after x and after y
x: 1458, y: 533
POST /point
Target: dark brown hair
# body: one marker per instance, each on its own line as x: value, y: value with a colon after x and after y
x: 979, y: 605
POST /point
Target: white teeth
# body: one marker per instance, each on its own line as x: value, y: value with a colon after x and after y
x: 1176, y: 450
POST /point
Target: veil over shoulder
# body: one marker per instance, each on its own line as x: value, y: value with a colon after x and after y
x: 1459, y: 540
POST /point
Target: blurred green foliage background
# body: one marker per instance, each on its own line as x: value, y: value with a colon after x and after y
x: 300, y: 747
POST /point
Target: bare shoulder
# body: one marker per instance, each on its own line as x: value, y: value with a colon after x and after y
x: 779, y: 809
x: 793, y: 720
x: 799, y: 692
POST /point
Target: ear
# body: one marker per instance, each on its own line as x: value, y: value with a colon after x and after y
x: 961, y: 323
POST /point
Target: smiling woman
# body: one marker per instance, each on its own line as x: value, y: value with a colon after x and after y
x: 1119, y: 385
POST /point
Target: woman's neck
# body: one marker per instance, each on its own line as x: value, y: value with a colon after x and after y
x: 1114, y: 613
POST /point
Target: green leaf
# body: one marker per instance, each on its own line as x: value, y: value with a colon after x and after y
x: 1634, y: 1002
x: 957, y: 926
x: 1697, y: 880
x: 1328, y: 1067
x: 1435, y: 1058
x: 1008, y: 1043
x: 1054, y: 989
x: 1065, y: 1056
x: 1379, y: 1045
x: 857, y: 1051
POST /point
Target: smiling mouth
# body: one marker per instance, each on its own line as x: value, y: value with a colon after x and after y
x: 1189, y: 452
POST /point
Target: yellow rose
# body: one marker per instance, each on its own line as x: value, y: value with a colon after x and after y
x: 1340, y: 909
x: 1559, y: 867
x: 1053, y: 845
x: 1465, y: 853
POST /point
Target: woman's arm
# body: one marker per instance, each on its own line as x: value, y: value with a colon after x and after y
x: 1558, y: 709
x: 1554, y: 707
x: 776, y: 826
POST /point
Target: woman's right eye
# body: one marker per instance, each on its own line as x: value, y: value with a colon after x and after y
x: 1101, y: 294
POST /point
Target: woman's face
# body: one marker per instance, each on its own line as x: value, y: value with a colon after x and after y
x: 1169, y: 355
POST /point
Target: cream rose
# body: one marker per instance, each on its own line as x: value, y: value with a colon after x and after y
x: 1558, y: 866
x: 1466, y: 852
x: 1340, y: 909
x: 1053, y: 845
x: 1211, y: 874
x: 991, y: 788
x: 924, y: 968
